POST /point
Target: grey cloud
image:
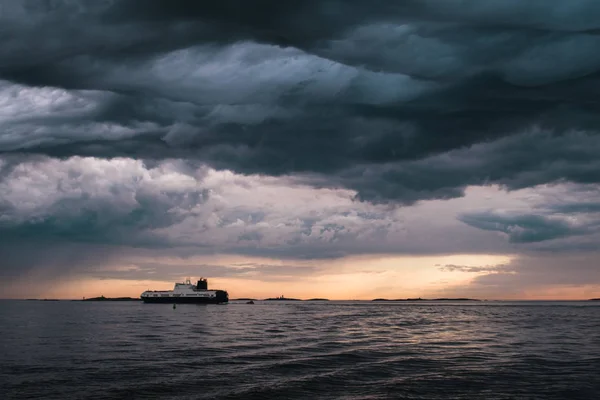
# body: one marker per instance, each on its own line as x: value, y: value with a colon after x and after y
x: 523, y: 228
x: 170, y: 205
x: 538, y: 273
x: 575, y: 208
x: 581, y: 244
x: 51, y: 259
x: 570, y: 270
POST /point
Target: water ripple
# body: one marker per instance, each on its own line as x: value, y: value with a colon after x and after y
x: 335, y: 350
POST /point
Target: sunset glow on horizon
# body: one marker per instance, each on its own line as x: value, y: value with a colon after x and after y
x: 352, y: 278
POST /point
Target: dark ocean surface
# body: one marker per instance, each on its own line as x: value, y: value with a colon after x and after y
x: 300, y: 350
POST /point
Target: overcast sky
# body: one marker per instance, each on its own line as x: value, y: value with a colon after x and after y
x: 331, y: 148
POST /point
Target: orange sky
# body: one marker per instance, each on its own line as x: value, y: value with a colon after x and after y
x: 360, y: 278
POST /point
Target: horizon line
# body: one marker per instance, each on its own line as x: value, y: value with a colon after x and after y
x: 440, y: 299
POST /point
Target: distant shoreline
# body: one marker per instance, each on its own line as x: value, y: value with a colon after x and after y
x: 443, y: 299
x: 420, y: 299
x: 101, y: 298
x: 290, y: 299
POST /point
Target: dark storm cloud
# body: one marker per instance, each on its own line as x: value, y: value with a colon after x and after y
x: 368, y: 95
x: 576, y: 208
x: 92, y: 224
x: 83, y: 232
x: 514, y: 162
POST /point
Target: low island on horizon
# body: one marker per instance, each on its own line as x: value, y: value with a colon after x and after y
x: 282, y: 298
x: 436, y: 299
x: 102, y: 298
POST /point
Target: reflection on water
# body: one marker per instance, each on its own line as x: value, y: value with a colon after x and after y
x: 349, y: 350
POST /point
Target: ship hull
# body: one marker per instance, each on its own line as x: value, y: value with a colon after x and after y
x: 184, y: 300
x: 219, y: 297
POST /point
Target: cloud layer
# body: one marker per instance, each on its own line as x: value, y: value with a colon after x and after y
x: 170, y: 205
x: 380, y: 99
x: 299, y: 131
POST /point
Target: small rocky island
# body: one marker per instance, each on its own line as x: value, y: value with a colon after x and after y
x: 281, y: 298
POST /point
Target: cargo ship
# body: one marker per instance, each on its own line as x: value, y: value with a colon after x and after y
x: 187, y: 293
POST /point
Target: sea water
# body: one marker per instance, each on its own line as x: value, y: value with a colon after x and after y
x: 300, y: 350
